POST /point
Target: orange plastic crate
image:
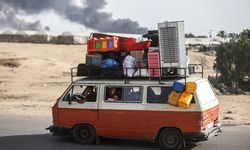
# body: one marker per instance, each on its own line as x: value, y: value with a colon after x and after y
x: 98, y: 45
x: 102, y: 45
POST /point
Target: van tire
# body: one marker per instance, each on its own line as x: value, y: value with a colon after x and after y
x: 84, y: 134
x: 171, y: 139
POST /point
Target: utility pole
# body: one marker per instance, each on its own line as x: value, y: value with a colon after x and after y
x: 210, y: 33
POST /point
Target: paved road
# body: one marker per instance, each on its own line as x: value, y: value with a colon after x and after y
x: 18, y: 132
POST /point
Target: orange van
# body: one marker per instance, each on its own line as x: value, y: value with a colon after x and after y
x: 112, y: 108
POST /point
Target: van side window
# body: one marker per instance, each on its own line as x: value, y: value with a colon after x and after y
x: 81, y: 94
x: 158, y: 94
x: 193, y: 100
x: 126, y: 94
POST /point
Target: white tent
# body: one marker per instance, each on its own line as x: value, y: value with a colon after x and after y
x: 7, y: 32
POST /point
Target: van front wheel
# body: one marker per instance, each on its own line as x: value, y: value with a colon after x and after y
x: 84, y: 134
x: 171, y: 139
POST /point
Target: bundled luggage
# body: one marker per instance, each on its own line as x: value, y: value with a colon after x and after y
x: 106, y: 52
x: 128, y: 66
x: 86, y: 70
x: 109, y: 63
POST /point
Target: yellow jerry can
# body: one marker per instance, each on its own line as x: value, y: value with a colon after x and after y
x: 185, y: 99
x: 174, y: 98
x: 191, y: 87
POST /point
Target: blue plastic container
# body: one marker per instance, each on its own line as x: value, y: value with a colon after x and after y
x: 178, y: 87
x: 110, y: 44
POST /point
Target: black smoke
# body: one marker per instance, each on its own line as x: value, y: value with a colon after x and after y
x: 8, y: 19
x: 90, y: 15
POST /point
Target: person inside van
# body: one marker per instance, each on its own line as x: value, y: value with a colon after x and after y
x: 112, y: 94
x: 90, y: 94
x: 115, y: 98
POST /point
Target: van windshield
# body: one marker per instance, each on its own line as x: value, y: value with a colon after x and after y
x: 205, y: 93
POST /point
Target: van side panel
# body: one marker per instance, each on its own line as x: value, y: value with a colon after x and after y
x: 210, y: 115
x: 69, y: 116
x: 144, y: 124
x: 121, y: 123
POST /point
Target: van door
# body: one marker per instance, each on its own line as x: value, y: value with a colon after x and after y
x: 79, y: 104
x: 120, y: 114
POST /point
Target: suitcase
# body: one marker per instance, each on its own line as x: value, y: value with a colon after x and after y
x: 112, y: 72
x: 86, y: 70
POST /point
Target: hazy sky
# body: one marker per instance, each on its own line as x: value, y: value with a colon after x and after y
x: 200, y: 16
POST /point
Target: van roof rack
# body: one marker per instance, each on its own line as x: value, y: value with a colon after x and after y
x: 160, y: 74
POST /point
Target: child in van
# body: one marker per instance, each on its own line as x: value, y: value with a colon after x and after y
x: 113, y: 94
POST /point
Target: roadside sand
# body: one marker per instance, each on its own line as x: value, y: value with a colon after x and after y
x: 33, y: 76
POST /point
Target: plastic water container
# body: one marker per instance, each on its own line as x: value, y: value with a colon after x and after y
x: 185, y: 99
x: 174, y: 98
x: 97, y: 44
x: 110, y: 43
x: 191, y: 87
x: 113, y: 43
x: 104, y: 44
x: 178, y: 86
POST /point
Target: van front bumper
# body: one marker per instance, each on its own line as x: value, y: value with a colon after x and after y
x: 59, y: 131
x: 204, y: 135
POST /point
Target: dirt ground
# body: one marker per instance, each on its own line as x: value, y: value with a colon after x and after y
x: 33, y: 76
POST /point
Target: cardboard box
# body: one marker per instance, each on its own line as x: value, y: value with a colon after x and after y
x: 137, y: 54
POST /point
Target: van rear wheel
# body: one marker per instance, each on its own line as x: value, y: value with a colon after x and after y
x: 84, y: 134
x: 171, y: 139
